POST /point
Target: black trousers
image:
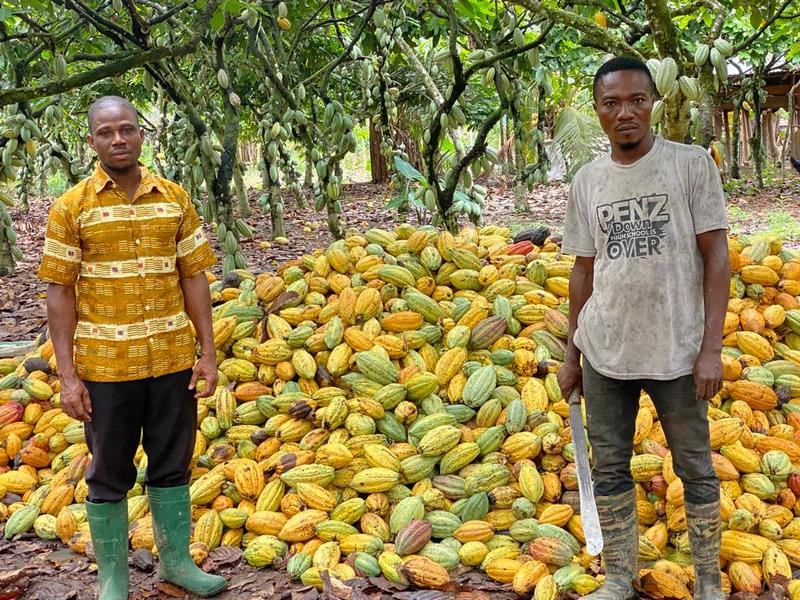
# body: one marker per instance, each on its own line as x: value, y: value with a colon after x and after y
x: 161, y: 412
x: 611, y: 409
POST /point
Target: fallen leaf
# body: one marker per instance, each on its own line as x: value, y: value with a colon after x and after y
x: 222, y: 556
x: 170, y: 590
x: 143, y: 560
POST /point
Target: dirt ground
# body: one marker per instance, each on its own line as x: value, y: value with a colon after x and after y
x: 22, y: 296
x: 31, y: 569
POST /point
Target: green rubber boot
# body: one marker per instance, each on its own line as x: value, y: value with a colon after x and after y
x: 172, y: 516
x: 705, y: 536
x: 619, y: 524
x: 108, y: 523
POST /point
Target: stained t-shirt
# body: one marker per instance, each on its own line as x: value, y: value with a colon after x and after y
x: 645, y: 316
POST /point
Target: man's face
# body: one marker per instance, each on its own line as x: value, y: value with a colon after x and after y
x: 116, y: 137
x: 623, y: 103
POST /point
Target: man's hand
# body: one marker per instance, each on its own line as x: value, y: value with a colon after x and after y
x: 205, y: 368
x: 707, y: 374
x: 569, y: 377
x: 75, y: 400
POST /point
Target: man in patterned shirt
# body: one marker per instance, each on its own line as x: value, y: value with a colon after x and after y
x: 125, y: 257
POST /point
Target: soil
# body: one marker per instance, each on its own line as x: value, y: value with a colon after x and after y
x: 22, y: 295
x: 33, y: 569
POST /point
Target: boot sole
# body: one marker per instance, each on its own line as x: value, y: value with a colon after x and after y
x: 212, y: 592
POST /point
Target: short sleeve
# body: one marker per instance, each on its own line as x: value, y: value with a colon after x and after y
x: 706, y: 196
x: 61, y: 259
x: 194, y: 254
x: 578, y: 237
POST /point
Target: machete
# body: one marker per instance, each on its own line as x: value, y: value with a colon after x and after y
x: 589, y: 518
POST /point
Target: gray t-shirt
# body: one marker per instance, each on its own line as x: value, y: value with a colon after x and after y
x: 644, y: 319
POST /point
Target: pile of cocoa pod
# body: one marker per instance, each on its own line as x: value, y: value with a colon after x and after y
x: 388, y: 406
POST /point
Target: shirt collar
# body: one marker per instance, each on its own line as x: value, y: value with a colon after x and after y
x: 100, y: 180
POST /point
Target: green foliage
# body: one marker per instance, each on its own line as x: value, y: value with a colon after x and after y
x: 577, y: 139
x: 300, y: 79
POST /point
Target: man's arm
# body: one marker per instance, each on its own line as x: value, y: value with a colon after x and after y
x: 713, y: 246
x: 581, y: 285
x: 62, y: 318
x: 198, y: 306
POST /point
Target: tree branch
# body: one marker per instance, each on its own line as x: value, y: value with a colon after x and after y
x: 356, y: 37
x: 664, y: 33
x: 427, y: 80
x: 107, y: 57
x: 458, y: 68
x: 139, y: 27
x: 487, y: 62
x: 600, y: 5
x: 763, y: 28
x: 86, y: 77
x: 170, y: 13
x: 44, y: 46
x: 594, y: 35
x: 103, y: 25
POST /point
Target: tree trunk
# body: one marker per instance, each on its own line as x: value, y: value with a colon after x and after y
x: 542, y: 160
x: 745, y: 144
x: 377, y: 161
x: 292, y: 177
x: 727, y: 128
x: 755, y: 141
x: 272, y: 192
x: 308, y: 179
x: 678, y: 118
x: 276, y: 215
x: 7, y: 263
x: 42, y: 172
x: 791, y: 126
x: 769, y: 123
x: 736, y: 140
x: 241, y: 191
x: 521, y: 198
x: 706, y: 107
x: 224, y: 175
x: 795, y: 145
x: 334, y: 222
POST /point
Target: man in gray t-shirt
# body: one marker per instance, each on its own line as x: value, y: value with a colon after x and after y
x: 648, y: 294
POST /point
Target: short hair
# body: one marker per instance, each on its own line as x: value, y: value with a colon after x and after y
x: 108, y: 102
x: 621, y: 63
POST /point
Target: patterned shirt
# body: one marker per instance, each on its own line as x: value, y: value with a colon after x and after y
x: 126, y: 259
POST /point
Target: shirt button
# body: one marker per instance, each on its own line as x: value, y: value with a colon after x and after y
x: 147, y: 307
x: 136, y: 241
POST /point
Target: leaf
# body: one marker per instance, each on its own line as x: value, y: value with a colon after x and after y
x: 143, y: 560
x: 407, y: 170
x: 416, y: 201
x: 217, y: 19
x: 577, y: 139
x: 222, y: 556
x: 395, y: 202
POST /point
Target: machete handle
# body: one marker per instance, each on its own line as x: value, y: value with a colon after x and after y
x: 574, y: 397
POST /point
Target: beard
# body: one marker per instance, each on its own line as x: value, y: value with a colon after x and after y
x: 121, y: 169
x: 630, y: 145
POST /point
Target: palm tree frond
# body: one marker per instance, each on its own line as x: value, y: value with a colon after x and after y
x: 577, y: 139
